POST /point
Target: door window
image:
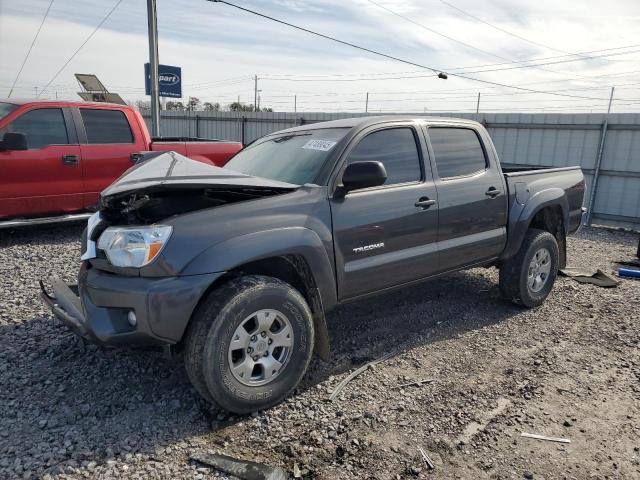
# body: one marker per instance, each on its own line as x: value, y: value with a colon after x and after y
x: 397, y: 150
x: 106, y: 126
x: 457, y: 151
x: 42, y: 127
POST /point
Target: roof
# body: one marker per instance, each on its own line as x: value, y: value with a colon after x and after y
x: 362, y: 122
x: 24, y: 101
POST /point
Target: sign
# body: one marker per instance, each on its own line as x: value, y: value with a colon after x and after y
x: 169, y: 80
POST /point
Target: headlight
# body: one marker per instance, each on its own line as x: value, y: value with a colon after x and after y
x: 133, y: 246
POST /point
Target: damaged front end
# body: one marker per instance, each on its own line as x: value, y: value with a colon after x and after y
x: 171, y: 184
x: 118, y: 299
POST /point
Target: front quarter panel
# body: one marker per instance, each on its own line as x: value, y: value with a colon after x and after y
x: 271, y: 243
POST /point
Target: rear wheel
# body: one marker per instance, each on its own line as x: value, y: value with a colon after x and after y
x: 528, y: 277
x: 249, y: 343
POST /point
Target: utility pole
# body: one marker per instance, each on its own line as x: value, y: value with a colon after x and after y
x: 610, y: 101
x: 152, y: 21
x: 366, y: 105
x: 255, y: 92
x: 36, y: 89
x: 295, y: 103
x: 478, y: 108
x: 596, y: 171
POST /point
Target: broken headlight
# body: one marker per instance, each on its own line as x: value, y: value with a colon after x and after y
x: 133, y: 246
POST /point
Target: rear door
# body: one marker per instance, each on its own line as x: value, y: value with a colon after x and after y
x: 382, y: 237
x: 471, y: 197
x: 107, y: 145
x: 46, y: 178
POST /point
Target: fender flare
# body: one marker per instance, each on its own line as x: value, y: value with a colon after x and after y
x: 520, y: 218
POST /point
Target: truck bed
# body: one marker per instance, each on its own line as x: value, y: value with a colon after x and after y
x: 514, y: 169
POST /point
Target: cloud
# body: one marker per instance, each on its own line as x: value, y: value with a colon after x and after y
x: 214, y: 42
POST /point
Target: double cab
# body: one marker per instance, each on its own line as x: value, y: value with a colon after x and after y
x: 238, y: 265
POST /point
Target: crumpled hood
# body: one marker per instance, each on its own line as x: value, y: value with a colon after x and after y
x: 170, y: 170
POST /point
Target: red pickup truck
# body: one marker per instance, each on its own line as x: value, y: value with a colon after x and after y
x: 57, y: 156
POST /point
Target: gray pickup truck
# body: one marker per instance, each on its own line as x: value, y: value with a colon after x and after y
x: 238, y: 265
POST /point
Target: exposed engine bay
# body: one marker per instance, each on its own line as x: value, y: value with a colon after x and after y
x: 155, y: 204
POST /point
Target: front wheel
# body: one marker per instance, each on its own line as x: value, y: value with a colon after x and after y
x: 528, y: 277
x: 249, y: 343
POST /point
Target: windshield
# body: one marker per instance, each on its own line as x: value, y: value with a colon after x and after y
x: 293, y: 158
x: 6, y: 109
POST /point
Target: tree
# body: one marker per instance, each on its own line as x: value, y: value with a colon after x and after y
x: 194, y: 103
x: 178, y: 106
x: 211, y: 107
x: 142, y: 104
x: 266, y: 109
x: 240, y: 107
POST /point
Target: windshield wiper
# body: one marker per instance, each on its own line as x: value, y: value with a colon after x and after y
x: 289, y: 137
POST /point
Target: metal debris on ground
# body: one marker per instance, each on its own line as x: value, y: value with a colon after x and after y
x: 544, y: 437
x: 354, y: 374
x: 629, y: 263
x: 410, y: 384
x: 242, y: 469
x: 583, y: 275
x: 427, y: 460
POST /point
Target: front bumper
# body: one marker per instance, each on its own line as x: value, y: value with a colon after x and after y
x: 97, y: 309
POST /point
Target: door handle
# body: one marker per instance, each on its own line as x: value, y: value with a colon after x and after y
x: 425, y: 202
x: 493, y: 192
x: 70, y: 159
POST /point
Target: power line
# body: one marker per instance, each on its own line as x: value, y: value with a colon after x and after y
x: 429, y: 29
x: 450, y: 72
x: 33, y: 42
x: 81, y: 46
x: 398, y: 59
x: 511, y: 33
x: 455, y: 68
x: 343, y: 42
x: 472, y: 93
x: 231, y: 79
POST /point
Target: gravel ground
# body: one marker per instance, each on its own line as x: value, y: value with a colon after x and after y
x: 570, y: 368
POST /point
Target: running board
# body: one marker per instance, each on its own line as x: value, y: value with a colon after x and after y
x: 23, y: 222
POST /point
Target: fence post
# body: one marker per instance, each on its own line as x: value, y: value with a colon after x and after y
x: 197, y: 126
x: 596, y: 172
x: 242, y: 132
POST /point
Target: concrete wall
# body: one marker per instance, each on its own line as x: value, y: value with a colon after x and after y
x: 521, y: 139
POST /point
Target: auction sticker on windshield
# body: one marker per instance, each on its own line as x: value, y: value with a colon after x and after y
x: 322, y: 145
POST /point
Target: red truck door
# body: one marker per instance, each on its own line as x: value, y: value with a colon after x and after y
x: 107, y: 143
x: 47, y: 177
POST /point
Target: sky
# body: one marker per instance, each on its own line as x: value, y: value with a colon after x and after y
x: 221, y: 48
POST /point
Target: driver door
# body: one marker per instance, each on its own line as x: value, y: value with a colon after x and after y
x: 47, y: 177
x: 386, y: 236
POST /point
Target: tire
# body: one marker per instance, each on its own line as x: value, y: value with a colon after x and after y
x: 245, y: 377
x: 520, y: 280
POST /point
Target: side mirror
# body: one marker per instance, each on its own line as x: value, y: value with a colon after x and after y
x: 364, y: 175
x: 14, y: 141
